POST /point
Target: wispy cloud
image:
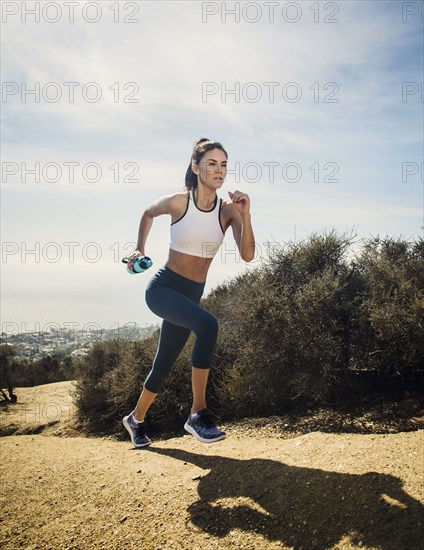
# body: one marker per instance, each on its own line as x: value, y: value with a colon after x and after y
x: 170, y: 54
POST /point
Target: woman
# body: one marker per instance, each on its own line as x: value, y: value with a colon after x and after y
x: 199, y: 220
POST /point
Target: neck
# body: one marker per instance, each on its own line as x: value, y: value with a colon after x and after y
x: 204, y: 197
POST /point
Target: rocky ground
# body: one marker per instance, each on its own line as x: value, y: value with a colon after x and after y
x: 323, y: 481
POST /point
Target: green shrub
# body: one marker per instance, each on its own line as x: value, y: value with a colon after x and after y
x: 7, y: 381
x: 282, y: 335
x: 24, y: 371
x: 389, y: 339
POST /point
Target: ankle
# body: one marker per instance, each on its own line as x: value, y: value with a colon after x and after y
x: 197, y: 408
x: 139, y: 420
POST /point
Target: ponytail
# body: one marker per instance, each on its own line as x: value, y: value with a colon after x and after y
x: 201, y: 146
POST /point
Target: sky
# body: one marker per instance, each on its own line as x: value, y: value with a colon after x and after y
x: 318, y: 104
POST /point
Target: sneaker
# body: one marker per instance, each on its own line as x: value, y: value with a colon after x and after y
x: 203, y: 427
x: 136, y: 430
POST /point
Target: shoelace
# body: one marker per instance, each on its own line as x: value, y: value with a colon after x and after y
x: 141, y: 430
x: 206, y: 420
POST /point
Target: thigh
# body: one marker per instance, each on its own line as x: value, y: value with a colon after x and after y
x: 175, y: 307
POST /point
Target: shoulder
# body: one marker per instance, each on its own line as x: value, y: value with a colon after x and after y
x: 178, y: 198
x: 178, y: 204
x: 167, y: 204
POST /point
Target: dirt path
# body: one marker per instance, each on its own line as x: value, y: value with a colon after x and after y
x: 315, y: 491
x: 47, y: 408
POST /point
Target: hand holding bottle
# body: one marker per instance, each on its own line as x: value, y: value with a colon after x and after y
x: 137, y: 262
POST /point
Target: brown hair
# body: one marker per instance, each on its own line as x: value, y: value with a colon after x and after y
x: 201, y: 146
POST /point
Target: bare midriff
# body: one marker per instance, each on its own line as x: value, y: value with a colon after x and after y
x: 190, y: 267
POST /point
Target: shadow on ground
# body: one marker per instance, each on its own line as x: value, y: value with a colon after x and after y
x: 302, y: 507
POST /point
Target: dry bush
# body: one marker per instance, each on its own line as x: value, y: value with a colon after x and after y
x: 388, y: 343
x: 306, y: 327
x: 282, y: 336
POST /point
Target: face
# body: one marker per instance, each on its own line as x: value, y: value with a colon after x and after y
x: 212, y: 168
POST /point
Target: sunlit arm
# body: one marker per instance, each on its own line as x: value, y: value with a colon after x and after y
x: 146, y: 223
x: 243, y: 235
x: 164, y: 205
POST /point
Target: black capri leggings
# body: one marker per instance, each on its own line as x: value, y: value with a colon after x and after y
x: 176, y: 299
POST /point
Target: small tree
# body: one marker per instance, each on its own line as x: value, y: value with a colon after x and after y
x: 7, y: 384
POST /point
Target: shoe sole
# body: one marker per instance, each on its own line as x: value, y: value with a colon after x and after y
x: 127, y: 426
x: 192, y: 431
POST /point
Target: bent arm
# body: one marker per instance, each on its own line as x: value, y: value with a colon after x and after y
x: 243, y: 235
x: 164, y: 205
x: 146, y: 223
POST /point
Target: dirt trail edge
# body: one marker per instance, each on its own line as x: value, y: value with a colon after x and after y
x: 314, y: 491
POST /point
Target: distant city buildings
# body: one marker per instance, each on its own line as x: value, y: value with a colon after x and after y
x: 66, y: 341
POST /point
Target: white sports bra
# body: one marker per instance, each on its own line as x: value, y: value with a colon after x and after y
x: 198, y: 232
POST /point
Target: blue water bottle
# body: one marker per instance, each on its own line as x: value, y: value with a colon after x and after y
x: 139, y: 265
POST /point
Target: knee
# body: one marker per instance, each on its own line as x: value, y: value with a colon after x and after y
x: 156, y: 378
x: 208, y: 327
x: 154, y: 385
x: 206, y: 338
